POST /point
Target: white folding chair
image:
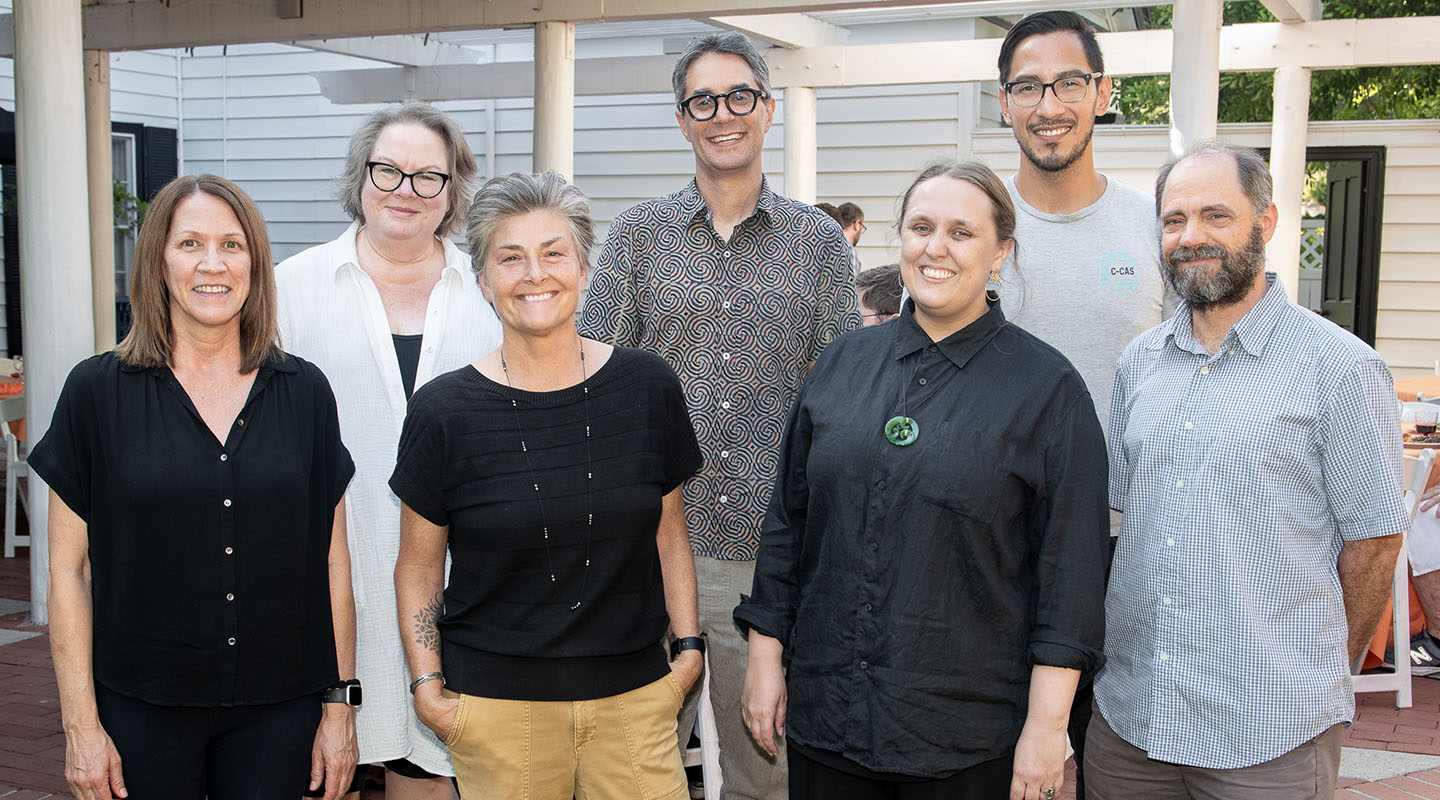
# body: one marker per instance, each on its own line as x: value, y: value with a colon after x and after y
x: 12, y: 409
x: 1417, y: 474
x: 707, y: 755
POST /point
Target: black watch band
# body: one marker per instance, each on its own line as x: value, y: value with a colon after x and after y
x: 347, y: 692
x: 686, y: 643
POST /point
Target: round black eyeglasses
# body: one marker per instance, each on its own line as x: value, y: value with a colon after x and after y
x: 702, y: 107
x: 387, y: 178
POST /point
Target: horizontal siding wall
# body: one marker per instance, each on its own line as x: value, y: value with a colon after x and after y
x: 1408, y: 320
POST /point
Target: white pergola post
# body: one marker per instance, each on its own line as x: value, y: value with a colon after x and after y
x: 1287, y: 168
x: 1194, y: 73
x: 555, y: 98
x: 102, y: 196
x: 800, y: 158
x: 54, y: 262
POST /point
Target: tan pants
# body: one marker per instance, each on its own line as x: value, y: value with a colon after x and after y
x: 614, y: 748
x: 1118, y: 770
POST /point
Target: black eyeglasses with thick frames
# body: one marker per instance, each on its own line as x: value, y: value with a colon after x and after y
x: 1069, y: 89
x: 387, y: 178
x: 703, y: 106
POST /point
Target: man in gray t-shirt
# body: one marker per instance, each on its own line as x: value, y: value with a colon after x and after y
x: 1088, y: 247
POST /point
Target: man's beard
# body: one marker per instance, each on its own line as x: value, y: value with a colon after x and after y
x: 1054, y: 160
x: 1203, y: 289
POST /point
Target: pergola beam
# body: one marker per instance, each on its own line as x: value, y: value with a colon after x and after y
x: 784, y: 30
x: 1327, y: 44
x: 1293, y: 10
x: 403, y: 51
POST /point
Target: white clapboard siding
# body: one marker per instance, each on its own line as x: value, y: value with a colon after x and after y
x: 1407, y: 333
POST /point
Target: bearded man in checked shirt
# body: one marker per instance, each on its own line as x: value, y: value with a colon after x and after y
x: 1254, y: 452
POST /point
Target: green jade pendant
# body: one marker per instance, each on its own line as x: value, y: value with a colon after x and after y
x: 902, y: 431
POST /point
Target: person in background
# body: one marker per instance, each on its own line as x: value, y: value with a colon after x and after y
x: 932, y: 564
x: 740, y: 290
x: 879, y: 290
x: 1254, y: 453
x: 201, y: 617
x: 550, y: 470
x: 852, y: 221
x: 385, y: 307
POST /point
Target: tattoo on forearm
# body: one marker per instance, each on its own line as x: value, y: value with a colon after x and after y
x: 427, y: 635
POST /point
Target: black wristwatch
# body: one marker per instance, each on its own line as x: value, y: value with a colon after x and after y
x: 686, y: 643
x: 347, y: 692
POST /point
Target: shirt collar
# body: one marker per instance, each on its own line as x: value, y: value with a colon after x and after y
x: 960, y: 346
x: 1252, y: 330
x: 693, y: 204
x: 347, y: 254
x: 282, y: 363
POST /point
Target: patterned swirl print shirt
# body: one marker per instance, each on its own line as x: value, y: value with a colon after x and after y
x: 740, y: 322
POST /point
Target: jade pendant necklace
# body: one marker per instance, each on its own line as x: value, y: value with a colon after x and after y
x: 903, y: 430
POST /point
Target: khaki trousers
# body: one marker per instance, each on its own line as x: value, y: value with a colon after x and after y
x: 613, y: 748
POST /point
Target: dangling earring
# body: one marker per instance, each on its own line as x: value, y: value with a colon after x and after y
x: 992, y: 287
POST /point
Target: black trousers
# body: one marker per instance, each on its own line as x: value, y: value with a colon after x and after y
x: 811, y: 780
x: 241, y: 753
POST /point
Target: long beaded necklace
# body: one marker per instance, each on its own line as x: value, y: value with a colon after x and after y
x: 535, y: 482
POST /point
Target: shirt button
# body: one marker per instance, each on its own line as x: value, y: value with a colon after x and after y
x: 933, y: 348
x: 232, y: 641
x: 1204, y: 370
x: 724, y: 453
x: 880, y: 484
x: 725, y: 356
x: 1179, y: 484
x: 724, y: 498
x: 227, y: 502
x: 922, y: 381
x: 1167, y: 601
x: 869, y: 607
x: 864, y: 664
x: 430, y: 349
x: 224, y: 457
x: 1189, y: 426
x: 230, y: 596
x: 1169, y: 542
x: 229, y: 550
x: 874, y: 546
x: 725, y: 304
x: 240, y: 422
x: 727, y: 253
x: 725, y: 405
x: 1164, y: 656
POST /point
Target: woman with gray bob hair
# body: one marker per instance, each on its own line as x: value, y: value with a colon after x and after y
x: 382, y: 309
x: 550, y: 471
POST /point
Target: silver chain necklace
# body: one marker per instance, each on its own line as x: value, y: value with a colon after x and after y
x: 535, y: 482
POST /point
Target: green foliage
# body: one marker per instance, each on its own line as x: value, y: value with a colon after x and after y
x: 129, y: 209
x: 1342, y: 94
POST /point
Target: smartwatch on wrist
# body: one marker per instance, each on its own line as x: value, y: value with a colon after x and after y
x: 686, y: 643
x: 347, y: 692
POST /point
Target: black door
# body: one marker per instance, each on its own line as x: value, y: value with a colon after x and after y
x: 1344, y: 200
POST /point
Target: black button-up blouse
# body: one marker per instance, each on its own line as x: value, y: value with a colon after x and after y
x: 914, y: 587
x: 209, y: 559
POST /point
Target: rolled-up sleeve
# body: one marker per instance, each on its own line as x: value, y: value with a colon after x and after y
x: 770, y: 608
x: 1361, y: 454
x: 1073, y: 545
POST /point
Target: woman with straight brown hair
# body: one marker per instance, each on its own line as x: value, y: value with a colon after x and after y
x: 200, y: 601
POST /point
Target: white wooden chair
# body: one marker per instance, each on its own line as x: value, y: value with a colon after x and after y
x: 1417, y: 474
x: 707, y: 755
x: 11, y: 409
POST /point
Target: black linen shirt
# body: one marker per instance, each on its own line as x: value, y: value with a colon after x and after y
x: 209, y: 561
x: 914, y: 587
x: 508, y: 631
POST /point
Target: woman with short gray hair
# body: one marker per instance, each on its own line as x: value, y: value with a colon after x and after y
x: 550, y: 472
x: 382, y: 309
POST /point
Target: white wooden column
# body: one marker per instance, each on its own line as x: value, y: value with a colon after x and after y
x: 102, y: 196
x: 1287, y: 168
x: 555, y: 98
x: 54, y: 261
x: 800, y: 158
x: 1194, y: 73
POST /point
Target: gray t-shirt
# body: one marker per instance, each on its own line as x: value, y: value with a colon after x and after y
x: 1089, y: 282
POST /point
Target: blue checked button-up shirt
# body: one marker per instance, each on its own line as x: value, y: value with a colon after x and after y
x: 740, y: 321
x: 1241, y: 475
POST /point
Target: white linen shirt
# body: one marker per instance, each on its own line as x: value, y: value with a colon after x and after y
x: 331, y: 314
x: 1241, y: 475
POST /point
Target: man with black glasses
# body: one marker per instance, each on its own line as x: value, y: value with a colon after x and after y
x: 1085, y: 273
x: 739, y: 289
